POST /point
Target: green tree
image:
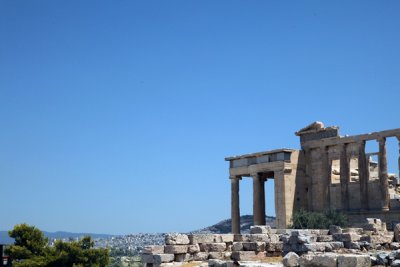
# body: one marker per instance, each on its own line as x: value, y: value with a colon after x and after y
x: 303, y: 219
x: 31, y: 249
x: 29, y: 242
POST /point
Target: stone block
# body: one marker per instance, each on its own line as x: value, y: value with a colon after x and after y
x: 382, y: 258
x: 282, y: 231
x: 184, y: 257
x: 315, y: 247
x: 332, y: 246
x: 320, y: 260
x: 226, y: 238
x: 274, y: 246
x: 334, y: 229
x: 153, y: 249
x: 353, y: 260
x: 358, y: 231
x: 247, y: 255
x: 300, y: 232
x: 346, y: 237
x: 157, y: 258
x: 227, y: 254
x: 260, y: 229
x: 212, y: 247
x: 176, y: 239
x: 193, y: 248
x: 176, y: 249
x: 216, y: 263
x: 259, y: 238
x: 291, y: 260
x: 273, y: 238
x: 201, y: 239
x: 374, y: 221
x: 216, y: 255
x: 200, y: 256
x: 378, y: 239
x: 254, y: 246
x: 394, y: 245
x: 395, y: 263
x: 285, y: 238
x: 237, y: 246
x: 241, y: 238
x: 397, y: 232
x: 324, y: 238
x: 352, y: 245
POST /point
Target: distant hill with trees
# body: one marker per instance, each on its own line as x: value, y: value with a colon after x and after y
x: 224, y: 227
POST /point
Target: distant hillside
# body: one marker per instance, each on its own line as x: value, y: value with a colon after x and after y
x: 5, y: 239
x: 224, y: 227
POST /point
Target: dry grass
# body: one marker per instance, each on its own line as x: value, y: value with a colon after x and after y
x: 272, y: 259
x: 193, y: 263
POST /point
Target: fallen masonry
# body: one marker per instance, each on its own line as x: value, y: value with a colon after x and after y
x: 369, y: 245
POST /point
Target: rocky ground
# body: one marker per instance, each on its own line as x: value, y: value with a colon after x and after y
x: 370, y: 245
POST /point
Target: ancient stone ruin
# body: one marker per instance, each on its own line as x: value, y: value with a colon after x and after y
x: 370, y: 245
x: 329, y: 172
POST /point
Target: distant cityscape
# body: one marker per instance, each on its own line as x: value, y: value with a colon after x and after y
x: 132, y: 244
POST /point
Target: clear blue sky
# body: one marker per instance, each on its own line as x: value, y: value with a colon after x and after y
x: 116, y: 116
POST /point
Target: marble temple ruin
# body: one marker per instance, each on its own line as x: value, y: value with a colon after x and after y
x: 329, y: 172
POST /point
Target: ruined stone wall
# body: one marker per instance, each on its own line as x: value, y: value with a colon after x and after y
x: 372, y: 243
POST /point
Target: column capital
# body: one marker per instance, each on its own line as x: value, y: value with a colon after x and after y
x: 342, y: 145
x: 279, y: 173
x: 324, y: 148
x: 255, y: 174
x: 361, y: 142
x: 381, y: 140
x: 235, y: 177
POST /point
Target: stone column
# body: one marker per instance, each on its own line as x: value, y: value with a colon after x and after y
x: 258, y: 200
x: 398, y: 138
x: 280, y: 203
x: 262, y: 187
x: 363, y: 174
x: 235, y: 209
x: 344, y: 177
x: 383, y: 174
x: 326, y: 167
x: 307, y: 159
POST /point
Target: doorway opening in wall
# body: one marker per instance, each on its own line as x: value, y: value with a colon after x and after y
x: 335, y: 196
x: 335, y: 172
x: 392, y: 155
x: 371, y: 151
x: 354, y: 176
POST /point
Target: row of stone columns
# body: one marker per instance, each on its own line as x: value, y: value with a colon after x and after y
x: 258, y: 201
x: 363, y: 168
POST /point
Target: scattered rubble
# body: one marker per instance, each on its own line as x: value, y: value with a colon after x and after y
x: 369, y: 245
